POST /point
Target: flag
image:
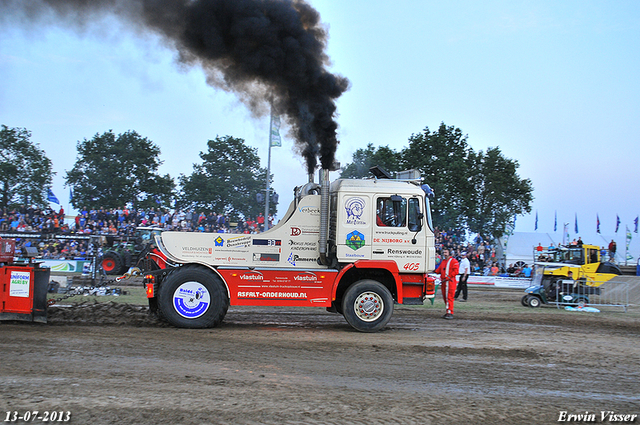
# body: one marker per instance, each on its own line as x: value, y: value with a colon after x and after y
x: 536, y: 225
x: 629, y: 256
x: 70, y: 195
x: 52, y: 198
x: 555, y: 222
x: 597, y: 223
x: 576, y: 225
x: 274, y: 136
x: 510, y: 228
x: 617, y: 222
x: 636, y: 223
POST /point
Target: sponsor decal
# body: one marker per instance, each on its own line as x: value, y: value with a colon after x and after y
x: 191, y: 300
x: 297, y: 231
x: 219, y: 241
x: 307, y: 277
x: 294, y: 258
x: 390, y: 240
x: 229, y: 259
x: 266, y: 257
x: 252, y: 276
x: 303, y: 246
x: 307, y: 243
x: 309, y: 209
x: 196, y: 249
x: 267, y: 242
x: 19, y: 284
x: 355, y: 240
x: 272, y: 295
x: 354, y: 255
x: 355, y: 208
x: 392, y: 232
x: 239, y: 242
x: 404, y: 251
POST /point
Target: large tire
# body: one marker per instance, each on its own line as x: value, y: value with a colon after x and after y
x: 367, y: 305
x: 111, y: 263
x: 126, y: 261
x: 193, y: 297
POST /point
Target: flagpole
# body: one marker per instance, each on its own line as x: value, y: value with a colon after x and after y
x: 266, y: 198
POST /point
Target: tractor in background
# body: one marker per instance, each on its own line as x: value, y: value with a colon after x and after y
x: 126, y: 253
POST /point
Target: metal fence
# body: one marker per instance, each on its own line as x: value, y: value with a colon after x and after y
x: 621, y: 291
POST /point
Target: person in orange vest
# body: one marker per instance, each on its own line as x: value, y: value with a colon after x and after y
x: 448, y: 269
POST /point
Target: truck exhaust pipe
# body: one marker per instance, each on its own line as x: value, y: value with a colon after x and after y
x: 324, y: 215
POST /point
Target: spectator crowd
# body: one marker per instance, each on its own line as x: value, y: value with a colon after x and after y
x: 481, y: 254
x: 123, y: 222
x: 111, y: 222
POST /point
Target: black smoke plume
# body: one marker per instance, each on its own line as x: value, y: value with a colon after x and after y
x: 263, y: 50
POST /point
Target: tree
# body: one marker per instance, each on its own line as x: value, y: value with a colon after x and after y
x: 480, y: 191
x: 498, y: 193
x: 227, y: 181
x: 364, y: 159
x: 25, y: 170
x: 111, y: 171
x: 442, y: 159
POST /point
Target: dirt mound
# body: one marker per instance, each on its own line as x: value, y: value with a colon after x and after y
x: 101, y: 314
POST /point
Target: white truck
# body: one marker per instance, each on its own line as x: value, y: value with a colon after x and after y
x: 354, y: 246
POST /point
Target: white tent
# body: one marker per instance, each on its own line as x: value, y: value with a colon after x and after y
x: 520, y: 246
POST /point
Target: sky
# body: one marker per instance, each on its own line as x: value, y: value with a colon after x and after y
x: 554, y: 84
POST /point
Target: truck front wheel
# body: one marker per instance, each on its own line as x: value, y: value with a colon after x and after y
x: 193, y: 297
x: 367, y: 305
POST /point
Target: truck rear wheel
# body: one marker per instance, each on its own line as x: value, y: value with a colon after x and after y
x: 193, y: 297
x: 367, y: 305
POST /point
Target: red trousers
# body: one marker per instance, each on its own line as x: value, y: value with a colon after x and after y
x: 448, y: 288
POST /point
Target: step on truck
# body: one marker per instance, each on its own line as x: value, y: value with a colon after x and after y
x: 353, y: 246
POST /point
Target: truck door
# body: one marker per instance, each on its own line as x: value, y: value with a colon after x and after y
x: 353, y: 227
x: 398, y: 232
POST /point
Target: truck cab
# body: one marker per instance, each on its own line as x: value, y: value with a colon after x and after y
x: 382, y: 220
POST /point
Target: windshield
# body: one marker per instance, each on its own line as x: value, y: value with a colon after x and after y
x: 565, y: 255
x: 427, y: 212
x: 536, y: 277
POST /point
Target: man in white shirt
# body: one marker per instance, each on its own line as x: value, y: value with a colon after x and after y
x: 465, y: 269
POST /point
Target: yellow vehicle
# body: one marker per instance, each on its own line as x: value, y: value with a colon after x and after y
x: 581, y: 263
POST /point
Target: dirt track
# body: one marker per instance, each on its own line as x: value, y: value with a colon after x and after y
x: 113, y: 364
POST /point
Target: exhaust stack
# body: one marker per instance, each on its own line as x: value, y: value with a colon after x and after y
x: 324, y: 215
